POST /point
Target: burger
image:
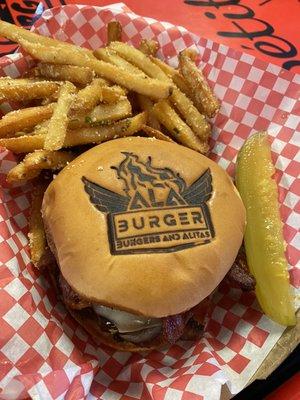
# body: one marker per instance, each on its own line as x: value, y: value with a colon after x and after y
x: 142, y: 231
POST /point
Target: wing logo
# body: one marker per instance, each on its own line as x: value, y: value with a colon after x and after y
x: 157, y: 212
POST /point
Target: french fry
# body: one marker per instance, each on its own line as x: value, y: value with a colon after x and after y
x: 19, y: 174
x: 71, y: 73
x: 25, y: 89
x: 177, y: 128
x: 139, y: 59
x: 149, y: 87
x: 151, y: 132
x: 88, y: 97
x: 125, y: 127
x: 58, y: 123
x: 35, y: 162
x: 110, y: 56
x: 147, y: 105
x: 191, y: 115
x: 175, y: 75
x: 24, y: 119
x: 103, y: 114
x: 112, y: 94
x: 16, y: 34
x: 45, y: 159
x: 149, y: 47
x: 114, y: 31
x: 203, y: 96
x: 37, y: 238
x: 23, y: 144
x: 110, y: 112
x: 184, y: 105
x: 191, y: 53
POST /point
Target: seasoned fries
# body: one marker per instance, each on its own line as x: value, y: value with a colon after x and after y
x: 23, y: 144
x: 25, y: 89
x: 122, y: 128
x: 110, y: 56
x: 109, y: 112
x: 71, y: 73
x: 35, y: 162
x: 203, y: 96
x: 148, y: 47
x: 114, y: 31
x: 57, y: 127
x: 178, y: 129
x: 139, y: 59
x: 185, y: 106
x: 18, y: 34
x: 24, y: 119
x: 192, y: 116
x: 175, y: 75
x: 63, y: 55
x: 147, y: 105
x: 151, y: 132
x: 76, y: 137
x: 37, y: 237
x: 88, y: 97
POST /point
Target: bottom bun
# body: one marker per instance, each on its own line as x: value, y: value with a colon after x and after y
x: 93, y: 328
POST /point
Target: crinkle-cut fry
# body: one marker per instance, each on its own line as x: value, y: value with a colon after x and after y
x: 57, y: 127
x: 88, y: 97
x: 16, y: 34
x: 185, y: 106
x: 139, y: 59
x: 37, y: 237
x: 153, y: 88
x: 149, y: 47
x: 76, y: 137
x: 111, y: 56
x: 147, y: 105
x: 114, y: 31
x: 23, y: 144
x: 151, y: 132
x: 103, y: 114
x: 204, y: 98
x: 175, y: 75
x: 35, y: 162
x: 24, y: 119
x: 71, y: 73
x: 177, y: 128
x: 23, y: 89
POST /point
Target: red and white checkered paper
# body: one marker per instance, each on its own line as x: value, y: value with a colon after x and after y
x: 43, y: 351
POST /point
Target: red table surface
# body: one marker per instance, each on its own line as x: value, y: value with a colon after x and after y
x: 267, y: 29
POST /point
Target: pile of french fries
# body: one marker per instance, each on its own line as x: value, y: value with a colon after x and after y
x: 75, y: 97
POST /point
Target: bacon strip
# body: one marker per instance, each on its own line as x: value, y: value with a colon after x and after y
x: 239, y: 273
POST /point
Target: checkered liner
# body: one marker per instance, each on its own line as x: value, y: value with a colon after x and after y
x: 43, y: 351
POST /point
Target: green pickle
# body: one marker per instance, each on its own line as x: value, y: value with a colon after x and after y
x: 264, y: 241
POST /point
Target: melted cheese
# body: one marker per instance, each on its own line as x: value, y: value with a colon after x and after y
x: 126, y: 322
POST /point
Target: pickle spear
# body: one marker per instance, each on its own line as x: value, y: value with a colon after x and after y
x: 264, y: 241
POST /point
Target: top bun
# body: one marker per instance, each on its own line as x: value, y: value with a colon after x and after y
x: 143, y: 225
